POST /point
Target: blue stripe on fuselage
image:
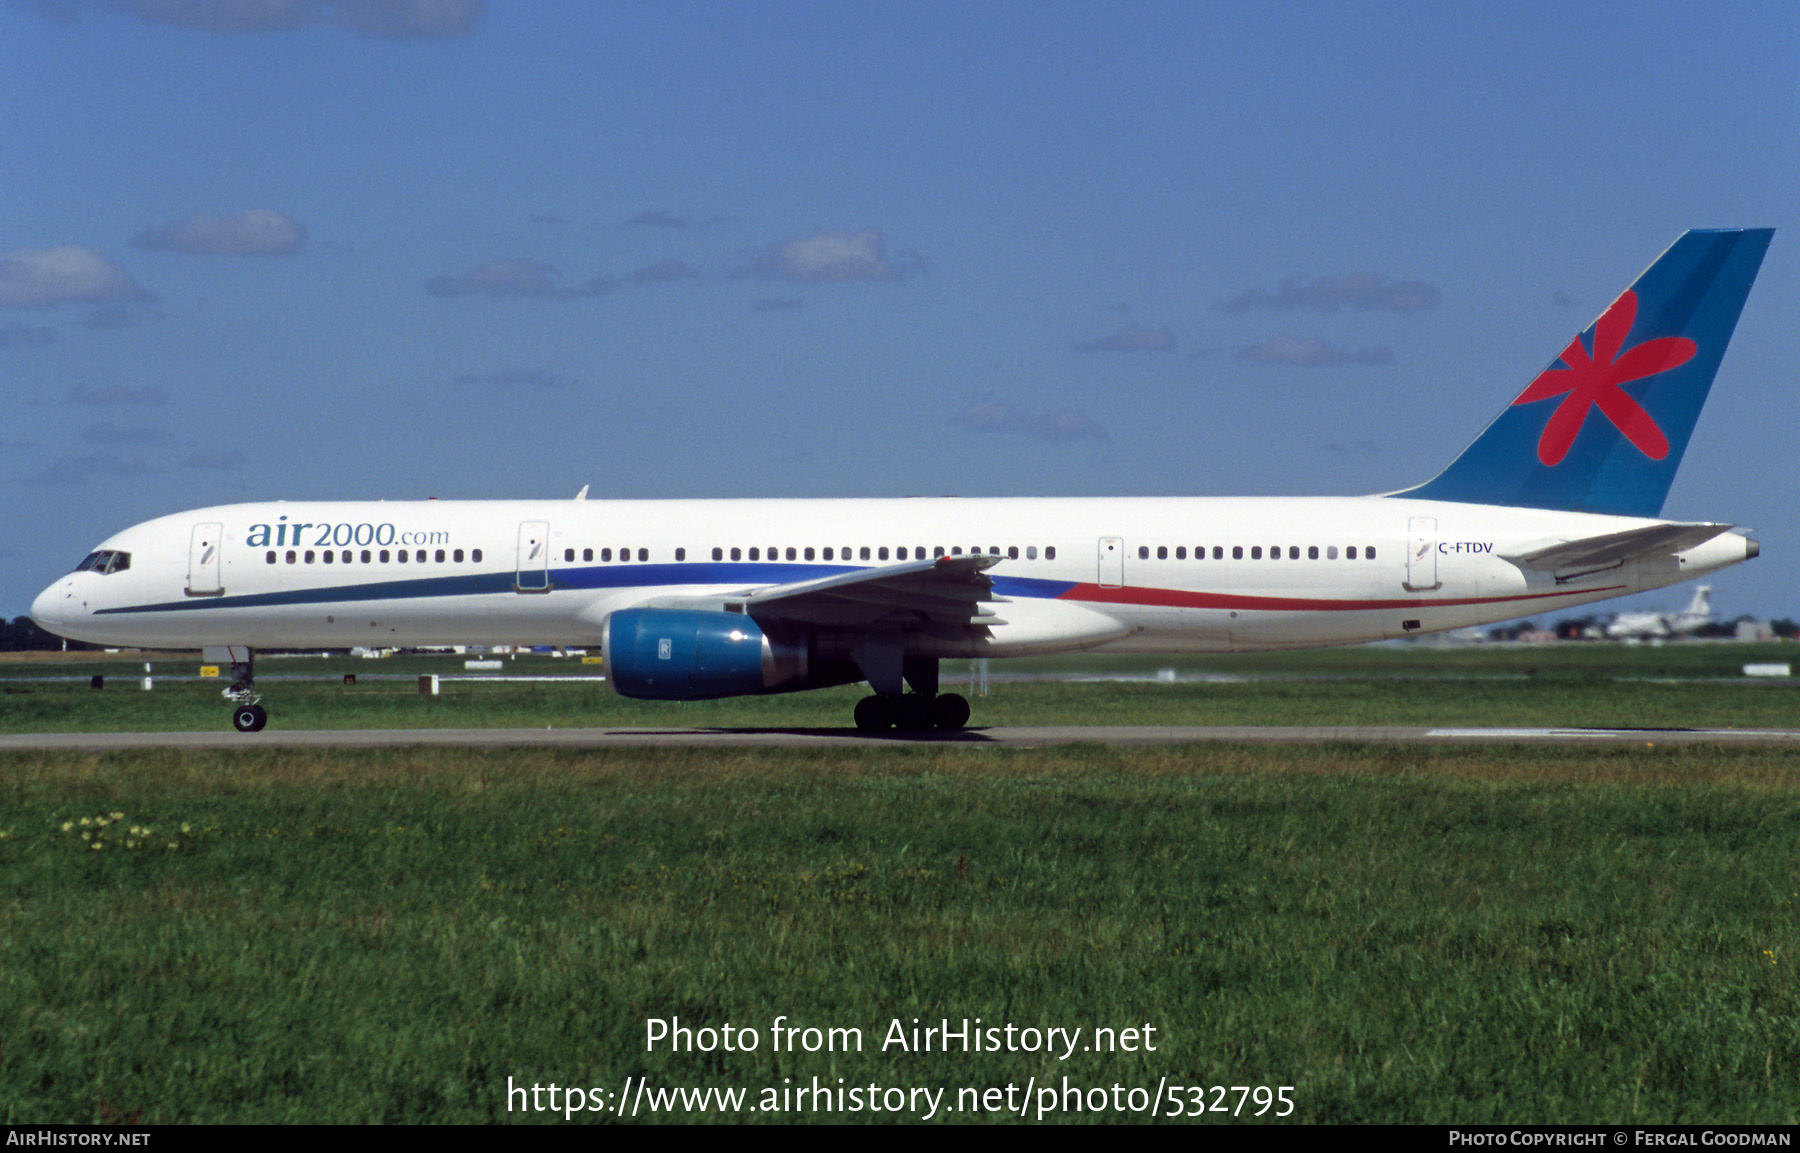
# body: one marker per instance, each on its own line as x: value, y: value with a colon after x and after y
x: 746, y: 573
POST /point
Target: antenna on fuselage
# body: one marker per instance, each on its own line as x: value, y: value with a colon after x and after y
x: 582, y: 495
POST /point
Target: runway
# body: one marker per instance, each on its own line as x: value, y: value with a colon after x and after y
x: 1028, y: 737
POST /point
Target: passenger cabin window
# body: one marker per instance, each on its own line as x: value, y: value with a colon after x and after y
x: 1050, y: 552
x: 865, y: 552
x: 1237, y: 552
x: 1350, y: 553
x: 440, y: 556
x: 827, y: 553
x: 1369, y: 553
x: 737, y: 554
x: 680, y: 554
x: 474, y: 556
x: 1030, y: 552
x: 587, y: 554
x: 271, y: 556
x: 755, y: 554
x: 568, y: 554
x: 718, y: 554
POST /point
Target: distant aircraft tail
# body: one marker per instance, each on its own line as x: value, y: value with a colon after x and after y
x: 1602, y: 429
x: 1699, y: 609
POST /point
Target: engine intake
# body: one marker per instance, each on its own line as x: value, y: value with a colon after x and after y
x: 689, y: 655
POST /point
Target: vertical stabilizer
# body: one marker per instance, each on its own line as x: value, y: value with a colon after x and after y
x: 1602, y: 429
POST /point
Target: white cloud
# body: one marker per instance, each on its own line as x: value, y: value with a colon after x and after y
x: 222, y: 459
x: 252, y: 232
x: 832, y: 257
x: 106, y: 432
x: 1361, y: 290
x: 118, y: 394
x: 1132, y: 338
x: 1061, y: 426
x: 515, y: 378
x: 389, y: 19
x: 80, y: 469
x: 1311, y: 352
x: 664, y: 271
x: 511, y: 276
x: 72, y: 273
x: 25, y: 335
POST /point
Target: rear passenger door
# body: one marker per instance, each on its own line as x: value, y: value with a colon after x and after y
x: 1111, y: 562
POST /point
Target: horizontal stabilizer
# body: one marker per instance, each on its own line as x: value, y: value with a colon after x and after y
x: 1556, y: 555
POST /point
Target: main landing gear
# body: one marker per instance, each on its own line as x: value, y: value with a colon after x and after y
x: 884, y: 661
x: 912, y: 712
x: 247, y: 716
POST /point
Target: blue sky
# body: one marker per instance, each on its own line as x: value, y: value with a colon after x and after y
x: 405, y: 248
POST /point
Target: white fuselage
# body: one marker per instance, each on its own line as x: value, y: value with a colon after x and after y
x: 1174, y: 574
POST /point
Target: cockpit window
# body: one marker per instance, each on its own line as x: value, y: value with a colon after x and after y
x: 105, y: 561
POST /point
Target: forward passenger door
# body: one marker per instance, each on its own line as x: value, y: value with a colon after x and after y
x: 534, y: 557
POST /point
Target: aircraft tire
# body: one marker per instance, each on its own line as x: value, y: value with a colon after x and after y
x: 950, y: 711
x: 916, y: 713
x: 874, y: 714
x: 249, y: 718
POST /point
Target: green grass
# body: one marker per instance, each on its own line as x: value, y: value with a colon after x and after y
x: 1684, y: 685
x: 1403, y: 934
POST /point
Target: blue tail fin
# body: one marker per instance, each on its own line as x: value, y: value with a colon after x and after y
x: 1603, y: 428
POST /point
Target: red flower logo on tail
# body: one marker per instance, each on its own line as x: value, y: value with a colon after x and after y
x: 1592, y: 381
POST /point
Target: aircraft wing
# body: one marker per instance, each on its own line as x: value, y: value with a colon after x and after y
x: 949, y: 593
x: 1595, y: 552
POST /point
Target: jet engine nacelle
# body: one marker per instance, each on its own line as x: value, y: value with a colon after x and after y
x: 689, y: 655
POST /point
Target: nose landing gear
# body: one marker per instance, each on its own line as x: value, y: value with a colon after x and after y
x: 247, y: 716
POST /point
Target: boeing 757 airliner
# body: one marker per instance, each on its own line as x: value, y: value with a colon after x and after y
x: 1557, y: 503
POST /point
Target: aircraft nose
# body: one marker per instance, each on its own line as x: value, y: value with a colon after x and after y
x: 47, y: 609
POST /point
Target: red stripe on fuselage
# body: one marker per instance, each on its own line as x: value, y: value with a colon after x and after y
x: 1179, y: 599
